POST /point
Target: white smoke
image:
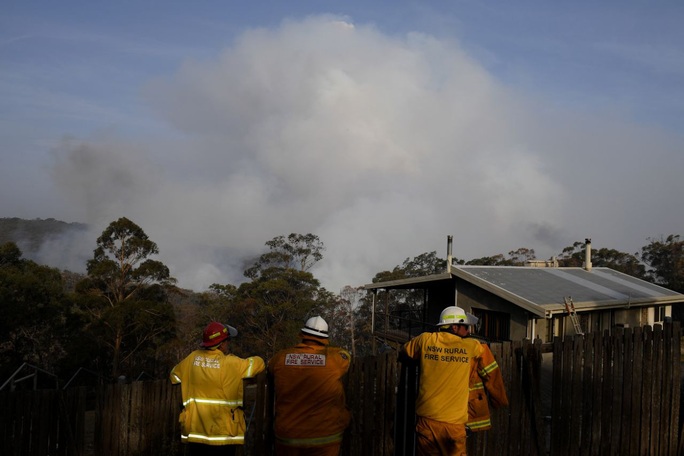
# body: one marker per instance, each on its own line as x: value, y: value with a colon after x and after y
x: 380, y: 145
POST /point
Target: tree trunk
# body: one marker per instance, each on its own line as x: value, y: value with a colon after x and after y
x: 117, y: 353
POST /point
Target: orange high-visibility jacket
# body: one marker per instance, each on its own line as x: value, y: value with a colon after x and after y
x: 310, y: 405
x: 211, y: 385
x: 445, y: 360
x: 486, y: 386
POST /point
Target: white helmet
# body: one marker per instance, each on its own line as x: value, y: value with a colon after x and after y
x: 453, y: 315
x: 316, y: 326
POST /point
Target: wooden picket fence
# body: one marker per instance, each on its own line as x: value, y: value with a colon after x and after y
x: 42, y: 422
x: 596, y: 394
x: 140, y: 418
x: 618, y: 394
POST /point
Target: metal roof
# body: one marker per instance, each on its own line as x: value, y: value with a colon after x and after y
x: 545, y: 289
x: 410, y: 283
x: 542, y: 291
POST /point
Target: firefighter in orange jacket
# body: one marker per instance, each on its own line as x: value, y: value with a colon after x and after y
x: 445, y: 359
x: 310, y: 407
x: 486, y: 387
x: 212, y: 420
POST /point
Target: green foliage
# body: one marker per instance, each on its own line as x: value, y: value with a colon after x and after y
x: 273, y: 307
x: 270, y: 310
x: 349, y: 319
x: 515, y: 258
x: 404, y: 305
x: 297, y: 251
x: 34, y: 312
x: 126, y: 297
x: 574, y: 256
x: 421, y: 265
x: 665, y: 258
x: 496, y: 260
x: 126, y: 316
x: 32, y: 233
x: 10, y: 254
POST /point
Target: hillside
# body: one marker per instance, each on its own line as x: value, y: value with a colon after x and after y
x: 29, y: 235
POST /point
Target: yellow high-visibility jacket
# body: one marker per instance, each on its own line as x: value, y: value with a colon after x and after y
x: 486, y: 387
x: 445, y: 360
x: 211, y: 385
x: 310, y: 405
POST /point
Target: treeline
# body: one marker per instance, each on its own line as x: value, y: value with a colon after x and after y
x: 31, y: 234
x: 127, y: 318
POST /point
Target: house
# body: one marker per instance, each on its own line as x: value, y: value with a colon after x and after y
x: 516, y: 302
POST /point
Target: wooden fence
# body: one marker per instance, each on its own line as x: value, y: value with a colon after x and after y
x: 140, y: 418
x: 618, y: 394
x: 593, y: 394
x: 42, y: 422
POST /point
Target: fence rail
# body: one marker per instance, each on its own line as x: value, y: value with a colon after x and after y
x: 596, y: 394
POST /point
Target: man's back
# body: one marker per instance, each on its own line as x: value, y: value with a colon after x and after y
x: 310, y: 399
x: 445, y: 371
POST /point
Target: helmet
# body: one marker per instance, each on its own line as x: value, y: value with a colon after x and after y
x: 215, y: 333
x: 453, y: 315
x: 316, y: 326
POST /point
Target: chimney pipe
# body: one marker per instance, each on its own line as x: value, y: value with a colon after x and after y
x: 587, y: 254
x: 450, y: 239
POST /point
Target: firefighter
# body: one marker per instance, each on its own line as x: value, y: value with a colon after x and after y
x: 310, y: 407
x: 486, y: 388
x: 445, y: 359
x: 212, y: 419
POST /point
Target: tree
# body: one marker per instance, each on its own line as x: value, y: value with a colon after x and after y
x: 270, y: 309
x: 421, y: 265
x: 521, y: 256
x: 298, y: 252
x: 496, y: 260
x: 34, y: 312
x: 273, y: 307
x: 574, y: 256
x: 344, y: 316
x: 665, y: 259
x: 402, y: 306
x: 515, y: 258
x: 125, y: 292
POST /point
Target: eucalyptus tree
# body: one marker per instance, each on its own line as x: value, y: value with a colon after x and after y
x: 574, y: 256
x: 296, y: 251
x: 282, y: 293
x: 126, y: 294
x: 665, y: 259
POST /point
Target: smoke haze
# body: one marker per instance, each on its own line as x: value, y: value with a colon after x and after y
x: 381, y: 145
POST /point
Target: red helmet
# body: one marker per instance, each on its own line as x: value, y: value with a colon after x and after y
x: 214, y: 334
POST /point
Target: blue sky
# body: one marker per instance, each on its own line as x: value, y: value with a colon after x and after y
x: 382, y: 127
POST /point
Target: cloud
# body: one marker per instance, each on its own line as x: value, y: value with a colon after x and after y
x: 380, y: 145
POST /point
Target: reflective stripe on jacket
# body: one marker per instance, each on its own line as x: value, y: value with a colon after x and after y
x: 310, y: 404
x: 211, y: 386
x: 486, y: 386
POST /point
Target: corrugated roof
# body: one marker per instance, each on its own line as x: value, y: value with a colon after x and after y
x: 545, y: 289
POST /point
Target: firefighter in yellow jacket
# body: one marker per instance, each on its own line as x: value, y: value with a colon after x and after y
x: 212, y: 419
x: 310, y: 407
x: 445, y: 359
x: 486, y: 387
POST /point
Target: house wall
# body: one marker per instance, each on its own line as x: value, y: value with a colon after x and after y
x: 438, y: 298
x: 469, y: 297
x: 597, y: 321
